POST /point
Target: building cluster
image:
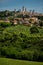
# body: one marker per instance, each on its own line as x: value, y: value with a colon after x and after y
x: 26, y: 21
x: 25, y: 12
x: 31, y: 20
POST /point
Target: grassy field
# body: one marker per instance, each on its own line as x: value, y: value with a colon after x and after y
x: 6, y: 61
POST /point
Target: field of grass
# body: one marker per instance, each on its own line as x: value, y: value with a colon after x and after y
x: 6, y: 61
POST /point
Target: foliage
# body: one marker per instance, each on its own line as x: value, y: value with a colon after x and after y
x: 5, y: 24
x: 40, y: 17
x: 41, y: 23
x: 17, y: 42
x: 34, y: 29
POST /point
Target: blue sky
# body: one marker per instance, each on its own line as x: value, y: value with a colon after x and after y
x: 37, y: 5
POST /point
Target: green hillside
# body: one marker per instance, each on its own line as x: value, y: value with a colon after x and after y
x: 18, y: 42
x: 23, y: 29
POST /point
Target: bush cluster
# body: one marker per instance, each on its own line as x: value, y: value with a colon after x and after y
x: 34, y: 29
x: 20, y: 46
x: 5, y: 24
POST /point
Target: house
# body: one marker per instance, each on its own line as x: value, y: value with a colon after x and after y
x: 33, y: 19
x: 20, y: 22
x: 26, y: 22
x: 15, y: 22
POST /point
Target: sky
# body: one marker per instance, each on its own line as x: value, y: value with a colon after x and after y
x: 37, y: 5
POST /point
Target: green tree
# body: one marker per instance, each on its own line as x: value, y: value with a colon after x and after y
x: 34, y: 29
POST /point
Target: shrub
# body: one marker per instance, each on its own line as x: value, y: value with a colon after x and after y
x: 40, y: 57
x: 36, y: 55
x: 41, y: 23
x: 27, y: 55
x: 34, y: 29
x: 5, y: 24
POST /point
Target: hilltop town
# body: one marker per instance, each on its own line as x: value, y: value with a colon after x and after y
x: 21, y: 16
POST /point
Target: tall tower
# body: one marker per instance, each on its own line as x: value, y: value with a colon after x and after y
x: 33, y: 12
x: 23, y: 8
x: 14, y: 10
x: 30, y: 13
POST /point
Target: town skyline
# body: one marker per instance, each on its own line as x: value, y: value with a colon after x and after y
x: 36, y: 5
